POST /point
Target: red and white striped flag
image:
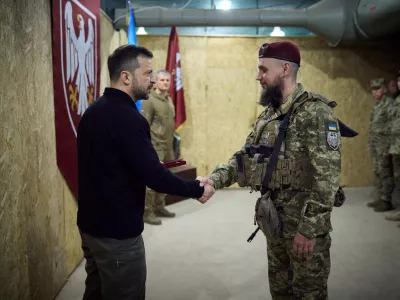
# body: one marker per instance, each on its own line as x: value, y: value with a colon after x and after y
x: 176, y: 88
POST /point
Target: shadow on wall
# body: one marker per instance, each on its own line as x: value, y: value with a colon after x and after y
x: 358, y: 62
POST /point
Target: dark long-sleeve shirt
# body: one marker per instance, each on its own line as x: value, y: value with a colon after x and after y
x: 116, y: 161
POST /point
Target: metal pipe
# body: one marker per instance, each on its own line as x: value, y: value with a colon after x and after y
x: 336, y: 21
x: 159, y: 17
x: 377, y: 18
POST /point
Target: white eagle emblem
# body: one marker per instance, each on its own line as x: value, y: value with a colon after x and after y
x: 80, y: 60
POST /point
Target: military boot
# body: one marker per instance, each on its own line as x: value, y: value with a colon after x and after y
x: 374, y: 203
x: 152, y: 219
x: 395, y: 217
x: 163, y: 212
x: 383, y: 206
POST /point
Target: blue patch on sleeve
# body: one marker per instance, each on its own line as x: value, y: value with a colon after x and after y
x: 332, y: 126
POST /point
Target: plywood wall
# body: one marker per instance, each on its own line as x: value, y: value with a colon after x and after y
x: 221, y: 93
x: 39, y: 241
x: 109, y: 41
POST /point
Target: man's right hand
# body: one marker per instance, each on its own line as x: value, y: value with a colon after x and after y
x: 209, y: 190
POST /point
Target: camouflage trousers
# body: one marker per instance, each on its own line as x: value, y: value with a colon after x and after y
x: 155, y: 200
x: 382, y: 165
x: 394, y: 151
x: 396, y: 169
x: 291, y: 278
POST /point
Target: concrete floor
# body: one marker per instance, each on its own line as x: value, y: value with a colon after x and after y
x: 202, y: 254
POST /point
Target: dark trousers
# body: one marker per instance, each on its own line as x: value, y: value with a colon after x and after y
x: 116, y: 269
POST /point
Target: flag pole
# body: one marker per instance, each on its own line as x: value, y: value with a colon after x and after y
x: 132, y: 40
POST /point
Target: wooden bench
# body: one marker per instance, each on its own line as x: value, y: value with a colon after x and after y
x: 187, y: 172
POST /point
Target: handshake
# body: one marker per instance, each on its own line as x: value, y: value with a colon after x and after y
x: 209, y: 190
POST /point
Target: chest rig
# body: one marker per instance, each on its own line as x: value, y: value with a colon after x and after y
x: 253, y: 159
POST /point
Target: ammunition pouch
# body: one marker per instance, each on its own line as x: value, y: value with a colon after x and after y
x: 252, y: 166
x: 243, y: 170
x: 268, y: 218
x: 247, y: 163
x: 284, y: 175
x: 340, y: 197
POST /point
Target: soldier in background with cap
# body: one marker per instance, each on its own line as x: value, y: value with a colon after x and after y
x: 159, y: 111
x: 379, y: 143
x: 304, y: 181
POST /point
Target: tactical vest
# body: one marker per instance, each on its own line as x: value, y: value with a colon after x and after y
x: 253, y: 160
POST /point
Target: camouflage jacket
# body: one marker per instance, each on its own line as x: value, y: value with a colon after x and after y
x: 394, y: 117
x: 306, y: 177
x: 380, y: 116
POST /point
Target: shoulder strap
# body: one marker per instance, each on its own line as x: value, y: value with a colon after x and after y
x: 278, y: 143
x: 265, y: 119
x: 322, y: 98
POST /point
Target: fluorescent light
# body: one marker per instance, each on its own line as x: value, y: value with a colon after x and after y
x: 225, y: 4
x: 141, y: 31
x: 277, y: 32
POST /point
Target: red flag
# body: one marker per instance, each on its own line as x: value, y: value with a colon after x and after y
x: 176, y: 88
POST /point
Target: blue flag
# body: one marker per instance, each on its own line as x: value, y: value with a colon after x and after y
x: 132, y: 41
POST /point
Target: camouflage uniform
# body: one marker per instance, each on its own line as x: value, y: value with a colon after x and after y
x: 379, y: 144
x: 159, y: 111
x: 303, y: 186
x: 394, y: 149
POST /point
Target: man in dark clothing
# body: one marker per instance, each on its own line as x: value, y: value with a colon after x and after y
x: 116, y: 161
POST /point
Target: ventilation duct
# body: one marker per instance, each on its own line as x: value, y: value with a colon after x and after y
x: 336, y: 21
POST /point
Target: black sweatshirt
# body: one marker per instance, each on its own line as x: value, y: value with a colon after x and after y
x: 116, y: 161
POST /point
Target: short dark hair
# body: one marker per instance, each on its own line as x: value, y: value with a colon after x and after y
x: 125, y: 58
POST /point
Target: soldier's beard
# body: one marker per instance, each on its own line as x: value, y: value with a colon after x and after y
x: 272, y: 95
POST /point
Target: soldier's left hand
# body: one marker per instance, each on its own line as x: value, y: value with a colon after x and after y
x: 302, y: 246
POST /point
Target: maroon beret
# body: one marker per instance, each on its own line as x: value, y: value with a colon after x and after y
x: 280, y: 50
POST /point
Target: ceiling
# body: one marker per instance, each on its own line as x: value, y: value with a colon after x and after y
x: 109, y: 6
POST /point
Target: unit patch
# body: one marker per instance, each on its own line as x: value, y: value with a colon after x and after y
x: 332, y: 134
x: 332, y: 139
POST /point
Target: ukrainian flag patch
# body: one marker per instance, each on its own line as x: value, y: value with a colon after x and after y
x: 332, y: 127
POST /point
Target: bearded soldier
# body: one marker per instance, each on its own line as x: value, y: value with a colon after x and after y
x: 299, y: 137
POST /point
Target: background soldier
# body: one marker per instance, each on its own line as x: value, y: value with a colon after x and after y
x: 391, y: 87
x: 305, y: 179
x: 379, y: 143
x: 160, y: 113
x: 395, y: 146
